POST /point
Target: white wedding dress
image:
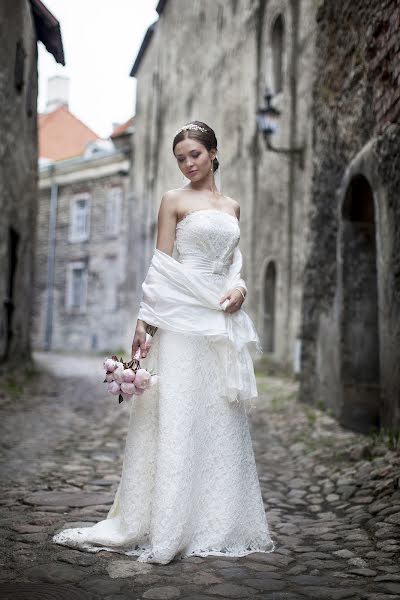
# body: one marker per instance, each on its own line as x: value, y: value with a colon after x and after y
x: 189, y: 484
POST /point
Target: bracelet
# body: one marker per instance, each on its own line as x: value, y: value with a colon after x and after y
x: 236, y: 288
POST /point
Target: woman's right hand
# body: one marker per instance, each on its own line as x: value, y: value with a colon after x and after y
x: 139, y: 340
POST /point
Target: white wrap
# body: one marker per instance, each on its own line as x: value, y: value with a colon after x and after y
x: 177, y: 298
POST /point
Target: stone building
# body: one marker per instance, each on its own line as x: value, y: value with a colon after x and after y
x: 212, y: 61
x: 318, y: 190
x: 83, y: 288
x: 24, y: 23
x: 351, y: 310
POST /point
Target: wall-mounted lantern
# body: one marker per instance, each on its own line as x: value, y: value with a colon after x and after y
x: 267, y: 124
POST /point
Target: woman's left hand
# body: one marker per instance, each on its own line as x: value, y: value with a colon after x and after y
x: 235, y: 300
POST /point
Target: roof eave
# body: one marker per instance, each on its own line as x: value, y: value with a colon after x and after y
x: 48, y: 30
x: 142, y: 49
x: 160, y: 6
x: 146, y: 40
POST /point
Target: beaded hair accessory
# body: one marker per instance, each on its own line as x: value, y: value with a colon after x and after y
x: 191, y: 126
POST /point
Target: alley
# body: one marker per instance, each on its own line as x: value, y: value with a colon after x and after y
x: 332, y: 498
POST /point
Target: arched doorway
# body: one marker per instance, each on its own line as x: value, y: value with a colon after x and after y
x: 359, y: 315
x: 269, y: 307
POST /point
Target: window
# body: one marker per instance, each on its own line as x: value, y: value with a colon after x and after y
x: 277, y: 42
x: 113, y: 211
x: 19, y: 66
x: 111, y: 279
x: 76, y: 287
x: 79, y: 223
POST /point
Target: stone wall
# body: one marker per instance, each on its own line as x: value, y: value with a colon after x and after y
x: 356, y: 145
x: 18, y: 175
x: 211, y: 62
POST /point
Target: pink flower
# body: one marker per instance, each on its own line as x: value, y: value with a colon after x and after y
x: 118, y: 373
x: 109, y: 365
x: 114, y: 388
x: 127, y: 396
x: 128, y: 375
x: 139, y: 391
x: 142, y: 379
x: 127, y: 388
x: 109, y: 377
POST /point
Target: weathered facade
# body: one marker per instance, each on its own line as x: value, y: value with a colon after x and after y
x: 84, y: 282
x: 351, y: 313
x: 24, y: 23
x: 320, y: 229
x: 212, y: 62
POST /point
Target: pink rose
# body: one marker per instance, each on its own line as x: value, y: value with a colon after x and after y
x: 127, y: 396
x: 114, y: 388
x: 118, y: 373
x: 109, y: 377
x: 127, y: 388
x: 128, y: 375
x: 142, y: 379
x: 139, y: 391
x: 109, y: 365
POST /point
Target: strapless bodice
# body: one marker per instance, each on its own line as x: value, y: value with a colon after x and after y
x: 206, y: 240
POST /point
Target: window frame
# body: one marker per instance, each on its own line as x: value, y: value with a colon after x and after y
x: 73, y: 236
x: 71, y: 267
x: 110, y: 206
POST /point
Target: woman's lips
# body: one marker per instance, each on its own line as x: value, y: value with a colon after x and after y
x: 192, y: 172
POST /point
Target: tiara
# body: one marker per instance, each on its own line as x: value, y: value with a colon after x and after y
x: 191, y: 126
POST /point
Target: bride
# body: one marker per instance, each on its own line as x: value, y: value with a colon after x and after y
x: 189, y: 484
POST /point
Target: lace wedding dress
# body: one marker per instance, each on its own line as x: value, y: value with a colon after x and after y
x: 189, y: 484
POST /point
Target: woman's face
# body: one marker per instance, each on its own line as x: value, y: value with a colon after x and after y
x: 194, y: 160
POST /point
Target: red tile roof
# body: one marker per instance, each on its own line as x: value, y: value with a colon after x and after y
x: 62, y: 135
x: 120, y: 129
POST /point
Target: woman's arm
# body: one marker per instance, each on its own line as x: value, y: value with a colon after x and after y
x: 167, y: 218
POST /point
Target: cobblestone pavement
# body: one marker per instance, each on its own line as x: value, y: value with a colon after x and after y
x: 332, y: 498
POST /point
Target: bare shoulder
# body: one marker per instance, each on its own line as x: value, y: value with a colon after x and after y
x: 169, y: 201
x: 170, y: 196
x: 233, y: 204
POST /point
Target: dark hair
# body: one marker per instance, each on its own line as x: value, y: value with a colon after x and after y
x: 207, y: 138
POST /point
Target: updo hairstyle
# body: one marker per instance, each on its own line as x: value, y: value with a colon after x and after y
x: 207, y: 138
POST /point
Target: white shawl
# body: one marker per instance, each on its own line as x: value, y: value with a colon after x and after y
x: 176, y: 297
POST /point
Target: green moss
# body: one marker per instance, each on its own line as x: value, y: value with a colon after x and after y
x: 14, y: 379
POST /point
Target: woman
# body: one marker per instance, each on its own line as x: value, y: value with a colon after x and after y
x: 189, y: 484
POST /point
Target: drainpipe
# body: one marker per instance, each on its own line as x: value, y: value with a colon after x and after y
x: 51, y: 260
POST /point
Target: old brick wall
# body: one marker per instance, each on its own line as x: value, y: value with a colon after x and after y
x: 210, y: 61
x: 18, y: 171
x: 355, y: 101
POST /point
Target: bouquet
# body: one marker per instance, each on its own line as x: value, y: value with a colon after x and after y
x: 127, y: 379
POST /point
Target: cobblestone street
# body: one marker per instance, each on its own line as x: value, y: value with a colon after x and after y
x: 332, y: 499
